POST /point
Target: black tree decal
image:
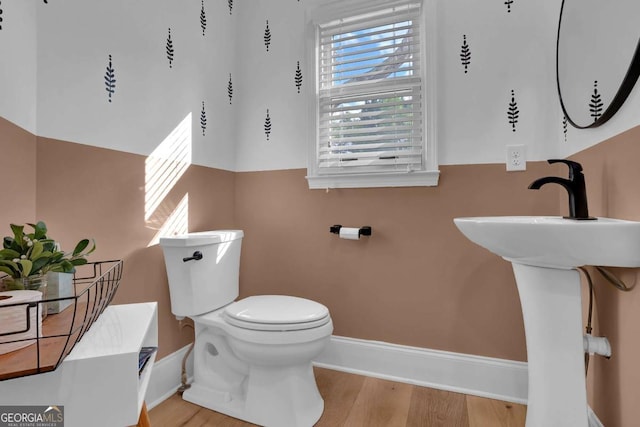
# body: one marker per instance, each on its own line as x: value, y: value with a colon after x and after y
x: 595, y: 106
x: 203, y: 119
x: 170, y: 49
x: 565, y: 127
x: 465, y: 54
x: 230, y: 6
x: 1, y: 16
x: 508, y: 3
x: 230, y: 89
x: 298, y: 77
x: 513, y: 113
x: 267, y: 36
x: 203, y: 19
x: 110, y: 79
x: 267, y: 125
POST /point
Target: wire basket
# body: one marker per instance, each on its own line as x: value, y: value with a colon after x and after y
x: 46, y: 343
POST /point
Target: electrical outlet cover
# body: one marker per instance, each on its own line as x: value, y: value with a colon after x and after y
x: 516, y: 158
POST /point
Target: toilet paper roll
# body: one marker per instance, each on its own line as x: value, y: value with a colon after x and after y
x: 349, y: 233
x: 15, y: 319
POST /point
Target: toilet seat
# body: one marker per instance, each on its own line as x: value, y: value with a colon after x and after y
x: 276, y: 313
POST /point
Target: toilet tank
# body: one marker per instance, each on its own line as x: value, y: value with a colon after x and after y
x: 200, y: 286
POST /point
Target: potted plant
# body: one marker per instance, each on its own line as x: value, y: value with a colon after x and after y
x: 26, y: 258
x: 30, y: 260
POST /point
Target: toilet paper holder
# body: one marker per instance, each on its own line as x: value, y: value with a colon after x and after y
x: 362, y: 231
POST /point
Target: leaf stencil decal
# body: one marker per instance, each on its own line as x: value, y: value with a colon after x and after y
x: 565, y: 127
x: 230, y: 89
x: 595, y: 106
x: 230, y: 6
x: 267, y: 125
x: 110, y: 79
x: 170, y: 49
x: 298, y: 77
x: 509, y: 3
x: 203, y: 119
x: 203, y: 19
x: 267, y: 36
x: 513, y: 113
x: 465, y: 54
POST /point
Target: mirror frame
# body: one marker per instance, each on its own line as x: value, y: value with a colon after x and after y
x: 628, y: 82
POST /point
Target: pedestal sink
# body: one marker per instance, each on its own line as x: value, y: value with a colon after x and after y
x: 544, y: 252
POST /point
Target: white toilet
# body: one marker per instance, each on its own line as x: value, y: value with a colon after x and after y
x: 252, y: 357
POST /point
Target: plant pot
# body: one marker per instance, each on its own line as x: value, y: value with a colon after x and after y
x: 59, y: 285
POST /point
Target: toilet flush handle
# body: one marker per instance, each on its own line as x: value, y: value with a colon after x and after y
x: 197, y: 256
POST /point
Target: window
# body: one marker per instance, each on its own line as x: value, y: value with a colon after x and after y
x: 370, y: 110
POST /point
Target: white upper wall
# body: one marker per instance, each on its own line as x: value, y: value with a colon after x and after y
x: 55, y: 59
x: 154, y: 91
x: 266, y: 81
x: 512, y: 61
x: 626, y: 118
x: 510, y: 50
x: 18, y: 71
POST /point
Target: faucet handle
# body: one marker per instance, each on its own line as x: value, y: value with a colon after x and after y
x: 575, y: 168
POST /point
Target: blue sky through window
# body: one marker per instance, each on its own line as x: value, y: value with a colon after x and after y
x: 371, y: 53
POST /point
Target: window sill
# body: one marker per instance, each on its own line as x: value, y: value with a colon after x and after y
x: 412, y: 179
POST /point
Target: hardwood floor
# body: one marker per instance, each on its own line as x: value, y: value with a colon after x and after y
x: 357, y: 401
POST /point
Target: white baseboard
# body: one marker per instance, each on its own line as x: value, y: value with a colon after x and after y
x: 166, y: 377
x: 594, y: 421
x: 475, y: 375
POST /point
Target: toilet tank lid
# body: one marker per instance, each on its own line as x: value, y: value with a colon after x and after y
x: 202, y: 238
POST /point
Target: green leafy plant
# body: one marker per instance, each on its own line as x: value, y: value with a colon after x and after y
x: 32, y: 254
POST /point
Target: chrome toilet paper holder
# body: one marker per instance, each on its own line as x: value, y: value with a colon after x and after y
x: 362, y: 231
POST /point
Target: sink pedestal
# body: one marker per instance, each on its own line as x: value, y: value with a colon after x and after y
x: 552, y: 313
x: 545, y: 252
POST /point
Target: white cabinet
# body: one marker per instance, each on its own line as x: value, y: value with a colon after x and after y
x: 98, y: 382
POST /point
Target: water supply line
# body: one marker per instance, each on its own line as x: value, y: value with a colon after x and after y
x: 183, y: 376
x: 598, y: 345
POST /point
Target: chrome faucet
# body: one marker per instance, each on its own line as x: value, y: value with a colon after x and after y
x: 575, y: 187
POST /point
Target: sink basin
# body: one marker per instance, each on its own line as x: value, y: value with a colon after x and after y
x: 556, y: 242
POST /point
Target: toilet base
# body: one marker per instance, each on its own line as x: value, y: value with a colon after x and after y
x: 285, y: 397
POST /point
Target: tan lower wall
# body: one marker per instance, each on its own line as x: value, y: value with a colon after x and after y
x: 416, y: 281
x: 613, y: 176
x: 18, y: 175
x: 84, y: 191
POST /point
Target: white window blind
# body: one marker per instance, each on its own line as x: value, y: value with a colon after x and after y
x: 370, y: 107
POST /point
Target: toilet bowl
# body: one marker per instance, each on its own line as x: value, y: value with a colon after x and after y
x: 252, y: 357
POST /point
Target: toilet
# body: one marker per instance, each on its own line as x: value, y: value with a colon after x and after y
x: 252, y: 357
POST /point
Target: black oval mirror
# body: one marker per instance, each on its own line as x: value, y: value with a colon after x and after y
x: 597, y: 58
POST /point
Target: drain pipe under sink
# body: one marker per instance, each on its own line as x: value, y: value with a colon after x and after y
x: 596, y: 345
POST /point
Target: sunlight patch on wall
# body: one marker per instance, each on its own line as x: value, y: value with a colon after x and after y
x: 163, y: 169
x: 176, y: 223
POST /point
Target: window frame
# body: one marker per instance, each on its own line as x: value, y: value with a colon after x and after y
x: 429, y: 174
